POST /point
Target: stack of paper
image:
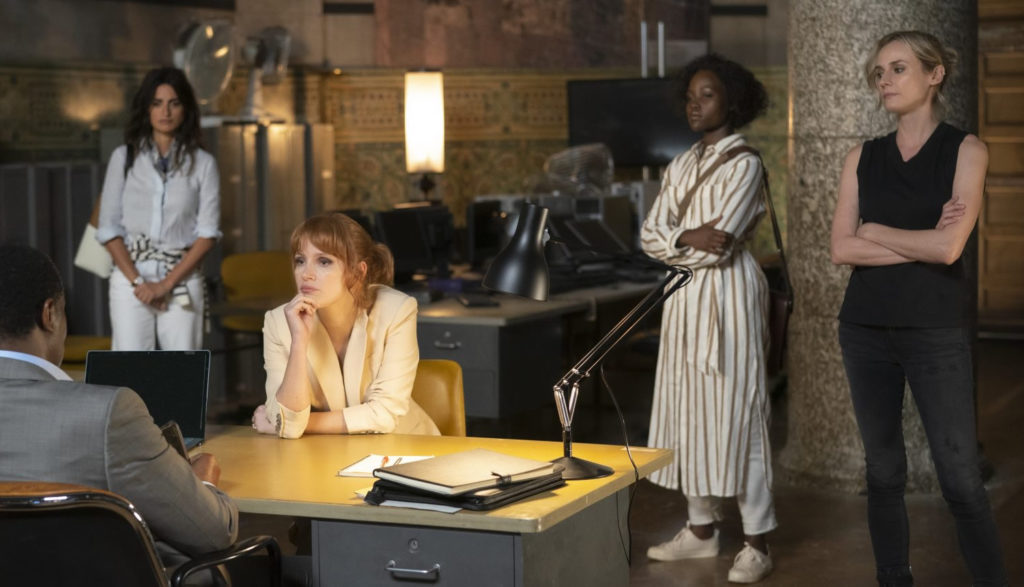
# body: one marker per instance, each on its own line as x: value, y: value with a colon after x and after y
x: 364, y: 467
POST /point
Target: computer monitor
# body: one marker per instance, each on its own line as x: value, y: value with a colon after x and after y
x: 636, y: 118
x: 420, y: 239
x: 486, y: 231
x: 598, y: 236
x: 359, y: 216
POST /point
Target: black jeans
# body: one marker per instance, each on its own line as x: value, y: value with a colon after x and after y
x: 937, y: 364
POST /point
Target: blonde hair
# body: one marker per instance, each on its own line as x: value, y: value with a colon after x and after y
x: 928, y: 50
x: 336, y: 234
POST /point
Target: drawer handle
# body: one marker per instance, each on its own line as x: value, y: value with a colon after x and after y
x: 431, y: 574
x: 448, y: 346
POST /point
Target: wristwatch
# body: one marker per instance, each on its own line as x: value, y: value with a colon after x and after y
x: 138, y: 281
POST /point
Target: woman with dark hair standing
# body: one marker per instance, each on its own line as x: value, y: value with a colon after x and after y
x: 341, y: 356
x: 159, y: 216
x: 907, y: 204
x: 710, y: 400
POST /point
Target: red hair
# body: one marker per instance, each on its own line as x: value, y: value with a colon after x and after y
x: 336, y: 234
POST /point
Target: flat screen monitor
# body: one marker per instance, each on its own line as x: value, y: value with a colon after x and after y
x: 420, y: 239
x: 638, y: 119
x: 359, y: 216
x: 486, y: 231
x: 597, y: 235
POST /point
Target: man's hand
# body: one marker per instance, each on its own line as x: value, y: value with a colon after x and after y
x: 205, y: 466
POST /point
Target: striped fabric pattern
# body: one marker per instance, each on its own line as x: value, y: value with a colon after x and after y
x: 710, y: 384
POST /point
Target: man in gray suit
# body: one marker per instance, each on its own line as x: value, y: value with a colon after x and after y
x: 54, y: 429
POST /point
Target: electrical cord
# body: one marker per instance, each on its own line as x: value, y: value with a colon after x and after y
x: 627, y: 545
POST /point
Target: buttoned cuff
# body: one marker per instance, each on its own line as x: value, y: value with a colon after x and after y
x: 107, y: 233
x: 671, y: 247
x: 292, y: 423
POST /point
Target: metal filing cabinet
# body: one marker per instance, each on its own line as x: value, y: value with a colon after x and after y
x: 506, y: 369
x: 404, y: 555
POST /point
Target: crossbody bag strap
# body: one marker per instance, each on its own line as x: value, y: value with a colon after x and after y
x: 771, y: 211
x: 700, y: 179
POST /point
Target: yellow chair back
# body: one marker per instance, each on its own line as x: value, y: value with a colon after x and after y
x: 438, y: 390
x: 256, y: 275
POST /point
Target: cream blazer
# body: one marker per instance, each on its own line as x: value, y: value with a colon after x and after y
x: 374, y: 386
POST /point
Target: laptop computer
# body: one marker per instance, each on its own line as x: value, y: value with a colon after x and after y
x: 173, y: 384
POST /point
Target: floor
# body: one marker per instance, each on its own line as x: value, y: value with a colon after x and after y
x: 822, y: 537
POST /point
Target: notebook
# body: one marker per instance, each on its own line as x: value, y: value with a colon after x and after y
x: 460, y: 472
x: 173, y: 384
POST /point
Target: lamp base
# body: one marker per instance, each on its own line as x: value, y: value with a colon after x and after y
x: 576, y: 468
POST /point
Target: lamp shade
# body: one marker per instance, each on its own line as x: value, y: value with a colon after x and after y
x: 520, y: 268
x: 424, y: 122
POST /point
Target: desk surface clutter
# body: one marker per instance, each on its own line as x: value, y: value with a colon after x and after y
x: 463, y: 471
x: 268, y: 475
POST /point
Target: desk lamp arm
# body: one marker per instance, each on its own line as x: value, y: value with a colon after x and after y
x: 676, y: 278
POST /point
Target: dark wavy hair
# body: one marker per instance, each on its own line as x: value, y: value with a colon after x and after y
x: 27, y: 279
x: 745, y: 96
x: 341, y: 236
x: 139, y: 132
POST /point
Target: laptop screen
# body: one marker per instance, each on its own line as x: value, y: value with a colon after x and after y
x: 173, y: 384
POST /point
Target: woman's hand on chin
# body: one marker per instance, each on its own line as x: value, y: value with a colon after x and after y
x: 261, y: 421
x: 300, y: 313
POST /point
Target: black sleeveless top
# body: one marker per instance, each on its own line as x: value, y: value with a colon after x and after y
x: 907, y: 195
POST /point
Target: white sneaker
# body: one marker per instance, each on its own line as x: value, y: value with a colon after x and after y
x: 684, y: 545
x: 751, y: 565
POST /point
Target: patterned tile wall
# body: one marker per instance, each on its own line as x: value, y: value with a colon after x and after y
x: 500, y: 125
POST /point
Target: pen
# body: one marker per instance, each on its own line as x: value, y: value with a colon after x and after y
x: 384, y: 461
x: 398, y: 461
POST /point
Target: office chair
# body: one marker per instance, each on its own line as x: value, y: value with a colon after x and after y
x: 76, y: 347
x: 61, y: 534
x: 438, y: 390
x: 260, y: 277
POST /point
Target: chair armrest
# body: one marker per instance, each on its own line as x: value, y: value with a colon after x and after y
x: 241, y: 548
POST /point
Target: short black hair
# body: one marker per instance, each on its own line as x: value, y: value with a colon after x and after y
x: 745, y: 96
x: 27, y: 279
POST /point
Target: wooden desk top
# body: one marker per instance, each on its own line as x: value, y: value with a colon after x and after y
x: 514, y: 309
x: 269, y: 475
x: 511, y: 310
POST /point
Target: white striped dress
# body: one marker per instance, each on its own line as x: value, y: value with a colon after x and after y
x: 709, y: 390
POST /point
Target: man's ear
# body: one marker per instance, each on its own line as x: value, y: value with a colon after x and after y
x: 48, y: 319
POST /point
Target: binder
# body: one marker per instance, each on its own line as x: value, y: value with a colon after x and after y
x: 462, y: 472
x: 481, y: 499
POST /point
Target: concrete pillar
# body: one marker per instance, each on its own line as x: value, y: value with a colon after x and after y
x: 831, y: 111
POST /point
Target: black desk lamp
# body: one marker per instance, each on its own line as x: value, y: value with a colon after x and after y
x: 520, y: 269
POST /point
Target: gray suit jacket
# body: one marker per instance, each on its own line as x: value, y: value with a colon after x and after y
x: 104, y: 437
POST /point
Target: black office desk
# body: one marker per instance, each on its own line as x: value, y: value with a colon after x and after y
x: 511, y: 355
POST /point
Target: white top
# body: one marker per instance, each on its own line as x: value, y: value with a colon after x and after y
x: 172, y: 212
x: 40, y: 362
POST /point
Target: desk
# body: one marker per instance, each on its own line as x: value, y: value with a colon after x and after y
x: 568, y: 536
x: 512, y: 354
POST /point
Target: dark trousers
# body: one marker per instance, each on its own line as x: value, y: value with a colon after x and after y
x: 937, y: 364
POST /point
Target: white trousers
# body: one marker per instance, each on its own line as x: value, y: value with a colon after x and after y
x: 757, y: 508
x: 140, y: 327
